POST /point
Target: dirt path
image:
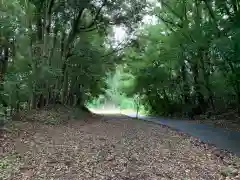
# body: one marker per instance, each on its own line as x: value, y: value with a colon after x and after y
x: 110, y: 148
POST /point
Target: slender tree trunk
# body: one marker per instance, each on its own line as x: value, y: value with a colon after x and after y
x: 17, y: 98
x: 185, y: 84
x: 80, y: 100
x: 32, y: 50
x: 3, y: 70
x: 5, y: 60
x: 236, y: 82
x: 72, y: 91
x: 206, y: 74
x: 36, y: 57
x: 65, y: 86
x: 235, y: 6
x: 197, y: 87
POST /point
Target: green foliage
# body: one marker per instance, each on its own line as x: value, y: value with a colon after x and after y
x: 55, y: 51
x: 127, y: 103
x: 97, y: 102
x: 189, y: 63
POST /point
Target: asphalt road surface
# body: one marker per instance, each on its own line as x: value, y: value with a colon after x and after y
x: 221, y: 138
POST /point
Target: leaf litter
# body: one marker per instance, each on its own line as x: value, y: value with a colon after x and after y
x: 109, y: 148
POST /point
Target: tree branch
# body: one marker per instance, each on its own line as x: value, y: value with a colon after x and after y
x: 172, y: 11
x: 170, y: 22
x: 171, y: 29
x: 116, y: 49
x: 50, y: 7
x: 89, y: 30
x: 96, y: 16
x: 74, y: 29
x: 48, y: 16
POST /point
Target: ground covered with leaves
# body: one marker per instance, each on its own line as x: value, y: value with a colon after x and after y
x: 106, y: 147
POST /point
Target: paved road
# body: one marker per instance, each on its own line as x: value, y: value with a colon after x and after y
x: 221, y: 138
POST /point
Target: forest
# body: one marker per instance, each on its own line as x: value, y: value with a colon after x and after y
x: 188, y: 63
x: 58, y: 51
x: 185, y: 63
x: 174, y: 62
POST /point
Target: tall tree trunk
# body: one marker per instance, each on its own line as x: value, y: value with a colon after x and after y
x: 235, y: 82
x: 235, y: 6
x: 65, y: 86
x: 17, y: 98
x: 186, y: 89
x: 80, y: 100
x: 36, y: 57
x: 72, y: 91
x: 5, y: 60
x: 206, y: 74
x: 3, y: 65
x: 197, y: 86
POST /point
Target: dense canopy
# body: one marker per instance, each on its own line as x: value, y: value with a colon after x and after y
x: 187, y: 63
x: 58, y: 51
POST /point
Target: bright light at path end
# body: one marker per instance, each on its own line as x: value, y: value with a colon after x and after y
x: 112, y: 111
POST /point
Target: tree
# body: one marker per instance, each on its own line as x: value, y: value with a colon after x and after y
x: 188, y: 62
x: 59, y: 51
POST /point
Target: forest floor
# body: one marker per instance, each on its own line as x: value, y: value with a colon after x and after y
x: 66, y: 145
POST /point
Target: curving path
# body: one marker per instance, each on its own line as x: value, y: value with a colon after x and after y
x: 105, y: 147
x: 221, y: 138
